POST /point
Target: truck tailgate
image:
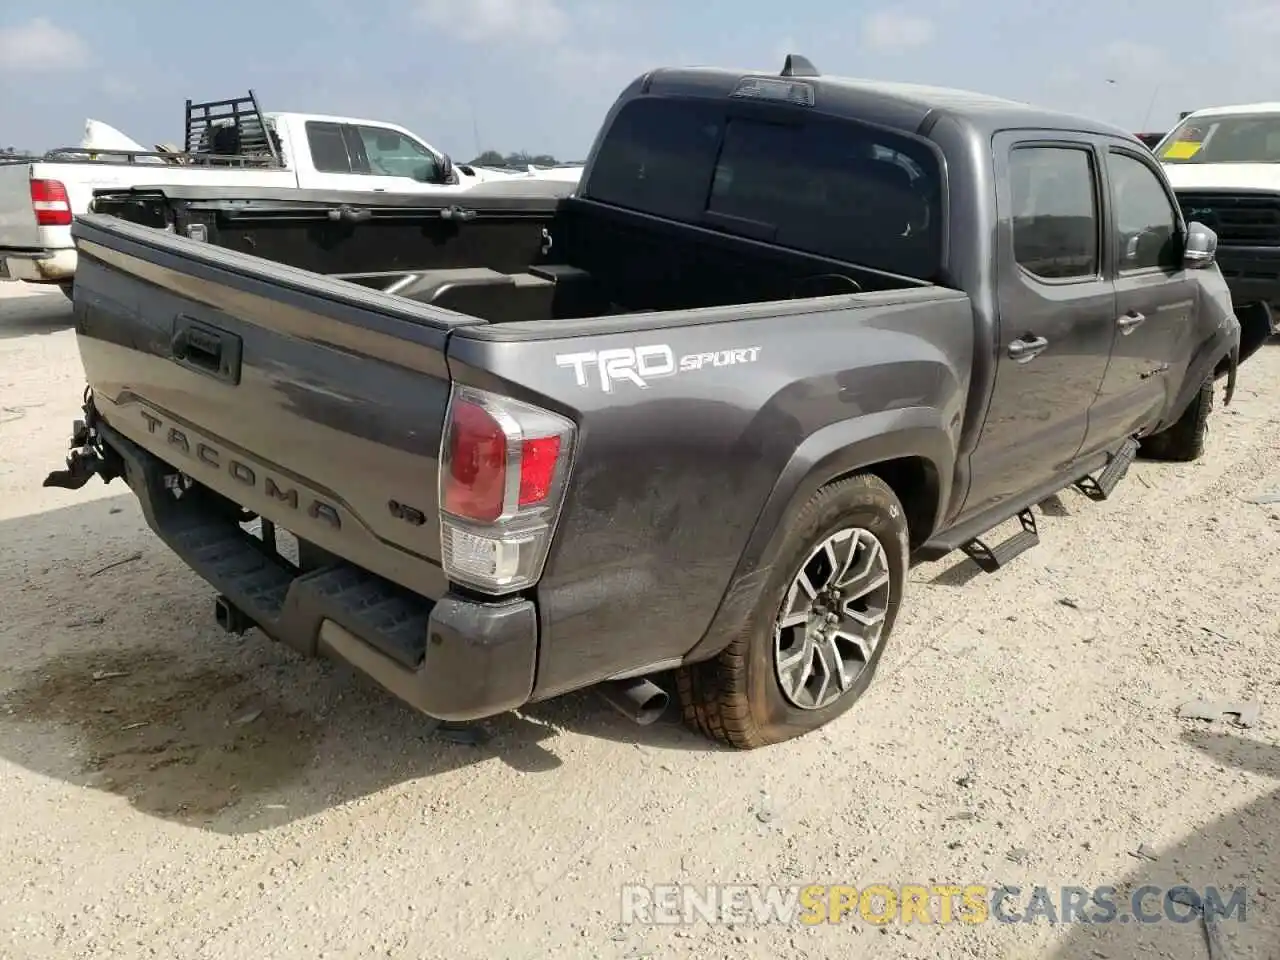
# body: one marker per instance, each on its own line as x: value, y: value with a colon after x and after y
x: 18, y: 228
x: 314, y: 403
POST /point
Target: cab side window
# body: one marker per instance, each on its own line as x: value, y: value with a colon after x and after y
x: 1146, y: 222
x: 391, y: 154
x: 1055, y: 212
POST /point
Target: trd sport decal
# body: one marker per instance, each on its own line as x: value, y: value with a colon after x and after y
x: 640, y: 365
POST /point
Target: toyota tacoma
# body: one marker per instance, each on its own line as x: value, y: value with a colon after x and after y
x: 791, y: 333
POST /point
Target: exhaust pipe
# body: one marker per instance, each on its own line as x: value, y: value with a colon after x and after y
x: 639, y: 700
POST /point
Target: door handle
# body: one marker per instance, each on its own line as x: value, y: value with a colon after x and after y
x: 1130, y: 322
x: 1027, y: 348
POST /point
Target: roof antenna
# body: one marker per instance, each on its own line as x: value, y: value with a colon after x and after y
x: 798, y: 66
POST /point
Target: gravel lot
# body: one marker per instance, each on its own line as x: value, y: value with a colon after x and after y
x: 175, y: 793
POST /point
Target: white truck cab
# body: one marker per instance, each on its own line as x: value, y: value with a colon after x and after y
x: 1224, y: 165
x: 1225, y: 148
x: 40, y: 196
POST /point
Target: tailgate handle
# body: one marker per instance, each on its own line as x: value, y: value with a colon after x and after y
x: 206, y: 349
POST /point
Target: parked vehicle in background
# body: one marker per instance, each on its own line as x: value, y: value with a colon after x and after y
x: 1224, y: 164
x: 791, y: 332
x: 228, y: 143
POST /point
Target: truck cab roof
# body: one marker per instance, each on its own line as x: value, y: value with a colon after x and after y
x: 297, y: 117
x: 1265, y: 106
x: 902, y: 106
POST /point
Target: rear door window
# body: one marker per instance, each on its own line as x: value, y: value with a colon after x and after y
x: 830, y: 187
x: 328, y: 147
x: 1055, y: 211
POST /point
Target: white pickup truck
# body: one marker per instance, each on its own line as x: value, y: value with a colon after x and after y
x: 226, y: 146
x: 1224, y: 165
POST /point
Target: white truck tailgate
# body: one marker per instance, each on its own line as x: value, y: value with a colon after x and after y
x: 18, y: 228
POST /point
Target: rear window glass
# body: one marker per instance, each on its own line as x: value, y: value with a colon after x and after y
x: 833, y: 188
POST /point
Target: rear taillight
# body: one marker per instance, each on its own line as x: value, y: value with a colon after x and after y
x: 503, y: 466
x: 51, y: 204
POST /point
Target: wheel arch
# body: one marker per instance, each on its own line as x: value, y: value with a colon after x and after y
x: 1215, y: 357
x: 910, y: 449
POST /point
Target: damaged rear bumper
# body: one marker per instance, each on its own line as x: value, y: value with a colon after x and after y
x: 454, y: 659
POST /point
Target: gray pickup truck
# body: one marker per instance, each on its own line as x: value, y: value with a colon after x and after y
x: 791, y: 333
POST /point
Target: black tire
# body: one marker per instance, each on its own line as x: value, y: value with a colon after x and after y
x: 1183, y: 441
x: 68, y: 290
x: 1255, y: 328
x: 736, y: 697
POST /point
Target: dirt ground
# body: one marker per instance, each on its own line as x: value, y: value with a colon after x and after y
x: 171, y: 792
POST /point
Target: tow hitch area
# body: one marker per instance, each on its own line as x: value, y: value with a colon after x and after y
x: 230, y: 617
x: 88, y: 457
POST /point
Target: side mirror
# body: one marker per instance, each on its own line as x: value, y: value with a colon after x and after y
x: 446, y: 173
x: 1201, y: 248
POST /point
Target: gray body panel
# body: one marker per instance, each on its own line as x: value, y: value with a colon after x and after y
x: 671, y: 479
x: 679, y: 485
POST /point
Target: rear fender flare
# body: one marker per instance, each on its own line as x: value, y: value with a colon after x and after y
x: 835, y: 451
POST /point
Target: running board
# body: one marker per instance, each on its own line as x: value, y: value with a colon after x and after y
x: 991, y: 559
x: 1115, y: 470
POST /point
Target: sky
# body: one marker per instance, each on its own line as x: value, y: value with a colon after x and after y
x: 538, y: 75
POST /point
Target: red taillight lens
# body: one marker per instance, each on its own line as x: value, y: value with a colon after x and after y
x: 538, y: 460
x: 504, y: 464
x: 476, y: 480
x: 50, y: 203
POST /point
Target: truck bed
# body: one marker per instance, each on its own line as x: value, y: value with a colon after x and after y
x: 500, y: 252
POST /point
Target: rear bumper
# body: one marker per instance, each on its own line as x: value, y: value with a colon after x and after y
x: 38, y: 266
x: 454, y: 659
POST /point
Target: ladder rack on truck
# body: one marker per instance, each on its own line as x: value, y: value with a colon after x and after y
x: 234, y: 127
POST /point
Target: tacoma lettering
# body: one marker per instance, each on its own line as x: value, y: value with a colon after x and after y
x: 241, y: 472
x: 289, y: 496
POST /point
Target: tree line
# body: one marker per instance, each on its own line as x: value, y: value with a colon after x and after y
x: 492, y: 158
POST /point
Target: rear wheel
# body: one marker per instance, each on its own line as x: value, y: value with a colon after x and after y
x: 816, y: 636
x: 1183, y: 441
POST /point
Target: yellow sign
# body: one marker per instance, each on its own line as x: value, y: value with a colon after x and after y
x: 1180, y: 150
